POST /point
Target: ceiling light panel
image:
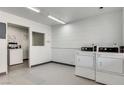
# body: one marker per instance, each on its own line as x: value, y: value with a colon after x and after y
x: 34, y: 9
x: 55, y: 19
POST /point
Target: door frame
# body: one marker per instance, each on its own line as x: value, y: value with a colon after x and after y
x: 29, y: 45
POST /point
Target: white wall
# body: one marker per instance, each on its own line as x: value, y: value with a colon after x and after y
x: 3, y: 56
x: 123, y: 24
x: 39, y: 54
x: 19, y: 35
x: 104, y: 29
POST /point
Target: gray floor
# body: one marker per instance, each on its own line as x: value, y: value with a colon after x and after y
x: 46, y: 74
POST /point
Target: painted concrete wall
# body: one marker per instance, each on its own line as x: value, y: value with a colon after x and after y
x: 38, y: 54
x: 105, y: 29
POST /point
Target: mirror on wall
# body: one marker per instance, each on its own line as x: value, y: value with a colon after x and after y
x: 2, y: 30
x: 38, y: 39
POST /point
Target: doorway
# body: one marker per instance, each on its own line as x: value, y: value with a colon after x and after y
x: 18, y: 46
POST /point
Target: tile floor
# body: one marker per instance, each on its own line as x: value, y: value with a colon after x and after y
x: 46, y: 74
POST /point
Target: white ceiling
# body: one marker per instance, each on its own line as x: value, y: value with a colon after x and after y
x: 67, y: 14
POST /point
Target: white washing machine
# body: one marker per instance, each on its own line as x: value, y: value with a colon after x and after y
x: 85, y: 64
x: 110, y: 68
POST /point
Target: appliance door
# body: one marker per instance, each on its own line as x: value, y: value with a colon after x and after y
x: 85, y: 65
x: 16, y: 56
x: 85, y: 61
x: 110, y: 64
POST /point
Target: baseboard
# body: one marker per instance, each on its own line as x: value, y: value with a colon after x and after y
x: 2, y: 73
x: 26, y: 59
x: 16, y: 64
x: 62, y: 63
x: 52, y: 62
x: 49, y: 62
x: 40, y: 64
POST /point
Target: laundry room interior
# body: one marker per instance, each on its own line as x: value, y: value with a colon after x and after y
x: 62, y: 45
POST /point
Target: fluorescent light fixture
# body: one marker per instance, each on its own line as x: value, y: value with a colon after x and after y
x: 34, y: 9
x: 55, y: 19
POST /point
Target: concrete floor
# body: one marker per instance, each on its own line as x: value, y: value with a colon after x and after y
x: 46, y: 74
